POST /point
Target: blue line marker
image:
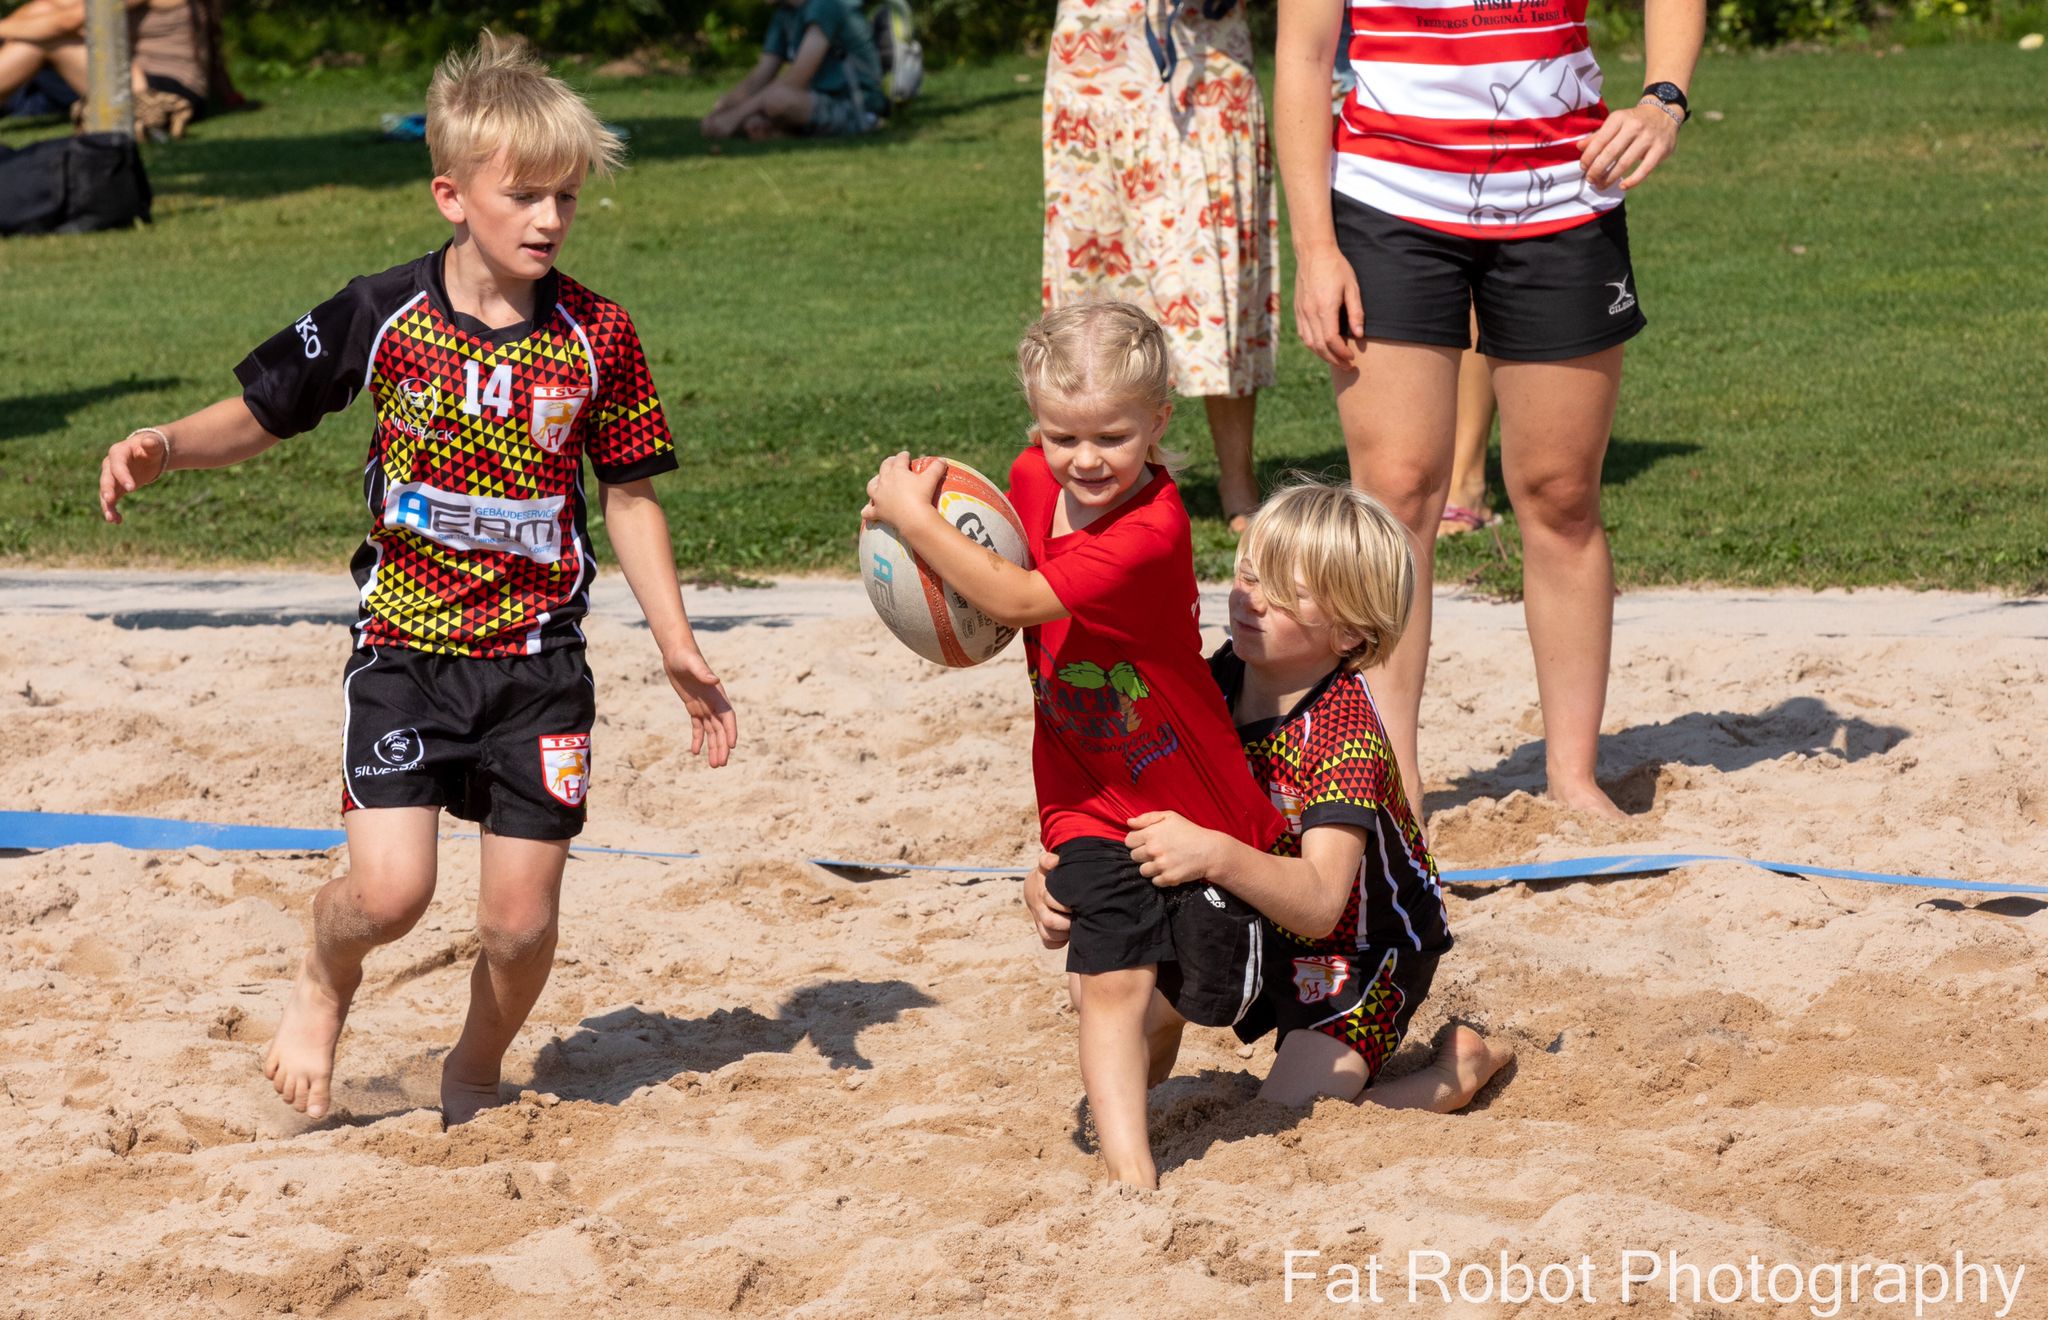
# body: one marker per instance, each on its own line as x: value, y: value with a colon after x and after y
x: 841, y: 864
x: 39, y: 830
x: 1586, y: 868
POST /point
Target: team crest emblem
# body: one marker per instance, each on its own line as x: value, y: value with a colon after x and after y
x: 401, y: 749
x: 554, y: 414
x: 1317, y: 979
x: 565, y: 766
x: 421, y: 398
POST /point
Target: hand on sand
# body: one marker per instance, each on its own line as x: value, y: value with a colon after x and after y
x: 300, y: 1062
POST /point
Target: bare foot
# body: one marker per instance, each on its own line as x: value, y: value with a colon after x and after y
x: 1472, y: 1059
x: 300, y: 1062
x: 465, y: 1091
x: 1588, y: 797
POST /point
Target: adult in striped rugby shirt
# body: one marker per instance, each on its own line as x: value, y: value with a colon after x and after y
x: 1473, y: 168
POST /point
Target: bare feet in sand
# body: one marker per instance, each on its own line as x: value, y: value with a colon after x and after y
x: 1464, y: 1062
x: 466, y: 1091
x: 1471, y: 1059
x: 1588, y: 797
x: 300, y: 1062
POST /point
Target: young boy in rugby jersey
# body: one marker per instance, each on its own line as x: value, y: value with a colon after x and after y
x: 1356, y: 922
x: 493, y: 377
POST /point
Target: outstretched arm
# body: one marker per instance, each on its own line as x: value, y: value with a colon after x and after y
x: 907, y: 500
x: 1306, y: 894
x: 215, y: 436
x: 639, y: 532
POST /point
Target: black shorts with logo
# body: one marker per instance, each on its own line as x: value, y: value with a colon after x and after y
x: 1363, y: 999
x: 502, y: 742
x: 1541, y: 299
x: 1208, y: 943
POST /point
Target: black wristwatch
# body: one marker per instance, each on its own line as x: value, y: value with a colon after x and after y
x: 1668, y: 93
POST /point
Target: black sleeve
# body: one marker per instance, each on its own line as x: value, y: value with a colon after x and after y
x: 1340, y: 811
x: 315, y: 366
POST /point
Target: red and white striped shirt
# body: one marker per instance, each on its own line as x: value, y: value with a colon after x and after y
x: 1469, y: 117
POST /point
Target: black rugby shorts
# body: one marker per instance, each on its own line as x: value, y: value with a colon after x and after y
x: 1363, y: 998
x: 1208, y: 944
x: 1541, y: 299
x: 502, y: 742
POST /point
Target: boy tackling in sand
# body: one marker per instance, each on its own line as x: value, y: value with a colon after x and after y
x: 1324, y: 583
x: 492, y: 376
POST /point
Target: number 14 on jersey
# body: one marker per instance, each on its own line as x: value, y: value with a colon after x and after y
x: 497, y: 392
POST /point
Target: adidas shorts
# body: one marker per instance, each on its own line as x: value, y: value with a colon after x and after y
x: 1364, y: 999
x: 502, y: 742
x: 1541, y: 299
x: 1208, y: 944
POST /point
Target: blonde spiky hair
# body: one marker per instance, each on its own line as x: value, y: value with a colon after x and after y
x: 500, y: 97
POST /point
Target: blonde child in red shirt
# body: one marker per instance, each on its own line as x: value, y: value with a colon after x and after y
x: 1128, y: 719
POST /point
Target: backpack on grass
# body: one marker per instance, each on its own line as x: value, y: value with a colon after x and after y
x: 73, y: 185
x: 895, y: 31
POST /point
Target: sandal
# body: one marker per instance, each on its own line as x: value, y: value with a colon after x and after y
x: 1456, y: 520
x: 1238, y: 522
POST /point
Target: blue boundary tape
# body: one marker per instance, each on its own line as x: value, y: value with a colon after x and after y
x: 38, y: 831
x: 1583, y: 868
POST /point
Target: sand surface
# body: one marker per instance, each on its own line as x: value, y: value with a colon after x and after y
x: 758, y: 1087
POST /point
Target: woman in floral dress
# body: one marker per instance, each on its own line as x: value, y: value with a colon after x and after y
x: 1159, y: 192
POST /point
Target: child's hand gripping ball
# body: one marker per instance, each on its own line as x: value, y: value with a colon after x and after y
x: 926, y: 615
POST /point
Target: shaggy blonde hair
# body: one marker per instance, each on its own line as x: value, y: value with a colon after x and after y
x: 1099, y: 350
x: 1340, y: 548
x: 500, y: 97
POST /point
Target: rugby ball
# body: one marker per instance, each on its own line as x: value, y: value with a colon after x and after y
x: 926, y: 615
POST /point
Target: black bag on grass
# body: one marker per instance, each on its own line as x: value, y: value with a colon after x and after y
x: 73, y: 185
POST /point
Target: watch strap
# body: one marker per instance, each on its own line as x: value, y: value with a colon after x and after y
x: 1670, y: 94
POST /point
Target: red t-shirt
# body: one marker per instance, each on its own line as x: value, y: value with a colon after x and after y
x: 1129, y: 720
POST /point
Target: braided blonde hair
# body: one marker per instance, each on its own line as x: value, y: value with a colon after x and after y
x: 1101, y: 350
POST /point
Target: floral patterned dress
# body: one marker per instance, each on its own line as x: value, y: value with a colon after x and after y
x: 1159, y: 182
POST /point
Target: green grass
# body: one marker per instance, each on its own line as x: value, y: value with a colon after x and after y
x: 1842, y: 382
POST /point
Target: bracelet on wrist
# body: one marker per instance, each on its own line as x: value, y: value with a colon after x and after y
x: 163, y: 438
x: 1667, y: 95
x: 1677, y: 116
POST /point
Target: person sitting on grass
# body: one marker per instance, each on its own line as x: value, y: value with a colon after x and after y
x: 1355, y: 918
x: 493, y: 377
x: 819, y: 75
x: 168, y: 76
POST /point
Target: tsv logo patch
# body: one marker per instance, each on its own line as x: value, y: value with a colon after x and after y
x: 565, y: 766
x: 1317, y: 979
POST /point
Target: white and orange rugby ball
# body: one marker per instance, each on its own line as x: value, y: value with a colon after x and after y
x: 926, y: 615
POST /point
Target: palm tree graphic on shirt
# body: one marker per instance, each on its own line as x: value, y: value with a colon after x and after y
x: 1121, y: 678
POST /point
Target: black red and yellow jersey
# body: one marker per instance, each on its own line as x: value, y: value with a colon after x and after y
x: 1328, y: 762
x: 478, y: 543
